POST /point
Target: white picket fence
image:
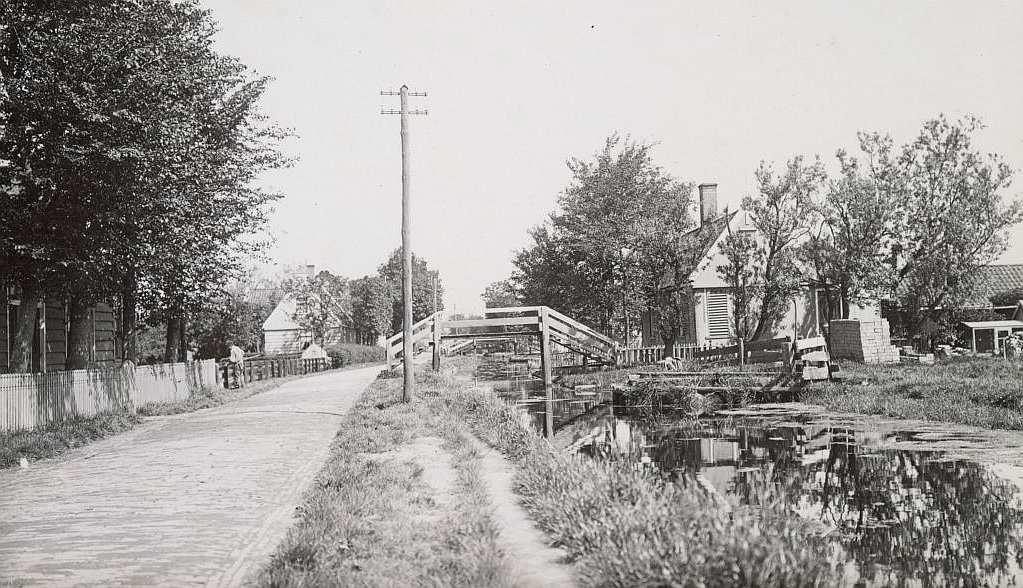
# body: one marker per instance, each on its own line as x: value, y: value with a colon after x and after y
x: 34, y: 400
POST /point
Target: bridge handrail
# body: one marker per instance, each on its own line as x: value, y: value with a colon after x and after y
x: 580, y: 326
x: 399, y: 335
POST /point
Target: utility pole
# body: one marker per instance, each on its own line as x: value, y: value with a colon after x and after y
x: 435, y: 292
x: 406, y: 238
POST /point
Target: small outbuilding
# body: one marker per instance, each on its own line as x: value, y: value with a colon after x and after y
x: 988, y: 336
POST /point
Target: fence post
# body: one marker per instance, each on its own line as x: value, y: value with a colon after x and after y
x: 436, y: 343
x: 545, y: 359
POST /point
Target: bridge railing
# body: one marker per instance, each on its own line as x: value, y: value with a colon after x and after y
x: 421, y: 331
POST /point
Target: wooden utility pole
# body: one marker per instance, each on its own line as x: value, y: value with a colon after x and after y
x: 406, y: 237
x: 435, y: 292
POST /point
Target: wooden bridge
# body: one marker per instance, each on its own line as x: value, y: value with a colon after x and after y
x: 548, y: 325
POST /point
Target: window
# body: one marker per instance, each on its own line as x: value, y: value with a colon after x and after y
x: 718, y: 316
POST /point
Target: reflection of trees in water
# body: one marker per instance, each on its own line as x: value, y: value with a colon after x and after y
x: 904, y: 515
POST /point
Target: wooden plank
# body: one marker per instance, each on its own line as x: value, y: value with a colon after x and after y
x: 815, y: 356
x: 548, y: 380
x: 512, y: 309
x: 493, y: 322
x: 768, y: 344
x: 815, y: 373
x: 716, y: 352
x: 765, y: 356
x: 810, y: 343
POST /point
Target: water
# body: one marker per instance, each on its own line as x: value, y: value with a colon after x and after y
x: 911, y: 503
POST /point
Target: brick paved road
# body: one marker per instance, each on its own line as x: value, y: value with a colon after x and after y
x: 200, y: 498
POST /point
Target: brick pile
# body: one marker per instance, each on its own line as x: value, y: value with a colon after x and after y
x: 869, y: 341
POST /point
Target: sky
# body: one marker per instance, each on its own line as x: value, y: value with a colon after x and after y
x: 515, y: 89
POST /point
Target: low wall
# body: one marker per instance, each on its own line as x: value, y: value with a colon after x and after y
x: 869, y: 341
x: 34, y: 400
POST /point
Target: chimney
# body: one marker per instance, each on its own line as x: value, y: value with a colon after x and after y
x: 708, y: 202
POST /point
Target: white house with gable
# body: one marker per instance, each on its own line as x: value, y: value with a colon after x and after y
x: 711, y: 309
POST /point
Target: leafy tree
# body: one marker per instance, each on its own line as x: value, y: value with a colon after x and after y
x: 422, y: 288
x: 761, y: 268
x: 323, y: 304
x: 500, y: 294
x: 121, y: 129
x: 373, y: 306
x: 858, y: 222
x: 600, y: 255
x: 954, y: 217
x: 229, y: 317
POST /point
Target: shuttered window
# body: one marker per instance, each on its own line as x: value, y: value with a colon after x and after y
x: 718, y: 317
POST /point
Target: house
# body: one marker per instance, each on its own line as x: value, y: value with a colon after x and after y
x: 49, y: 346
x: 709, y: 322
x: 283, y: 335
x: 994, y: 280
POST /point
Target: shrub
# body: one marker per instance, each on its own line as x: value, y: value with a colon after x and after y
x: 344, y: 354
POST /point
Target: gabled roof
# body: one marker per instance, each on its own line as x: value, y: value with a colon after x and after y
x: 701, y: 241
x: 263, y: 296
x: 993, y: 280
x: 281, y: 317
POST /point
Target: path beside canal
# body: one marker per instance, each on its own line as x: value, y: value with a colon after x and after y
x: 201, y: 498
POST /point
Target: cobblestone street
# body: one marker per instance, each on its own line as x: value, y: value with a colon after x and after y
x: 200, y: 498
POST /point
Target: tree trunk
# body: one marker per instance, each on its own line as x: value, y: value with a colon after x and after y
x: 129, y: 322
x: 23, y: 330
x: 78, y: 338
x: 170, y: 352
x: 182, y: 339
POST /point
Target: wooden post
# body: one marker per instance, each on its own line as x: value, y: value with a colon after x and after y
x: 545, y: 361
x: 436, y: 342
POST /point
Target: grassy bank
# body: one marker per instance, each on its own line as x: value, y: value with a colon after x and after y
x: 370, y: 519
x: 619, y: 525
x: 625, y: 527
x: 985, y: 392
x: 57, y: 438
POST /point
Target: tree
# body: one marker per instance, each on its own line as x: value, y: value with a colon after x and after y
x: 600, y: 256
x: 859, y: 219
x: 323, y: 304
x: 121, y: 129
x: 500, y: 294
x: 373, y: 300
x: 761, y: 268
x: 954, y: 216
x: 422, y: 288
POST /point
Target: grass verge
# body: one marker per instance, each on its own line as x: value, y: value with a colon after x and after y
x: 984, y: 392
x: 57, y: 438
x: 371, y: 520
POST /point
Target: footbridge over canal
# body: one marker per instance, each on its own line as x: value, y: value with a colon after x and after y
x: 548, y: 325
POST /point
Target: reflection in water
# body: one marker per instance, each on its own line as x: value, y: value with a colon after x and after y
x: 903, y: 517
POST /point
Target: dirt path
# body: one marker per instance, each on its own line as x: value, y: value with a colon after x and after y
x: 533, y: 562
x: 200, y: 498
